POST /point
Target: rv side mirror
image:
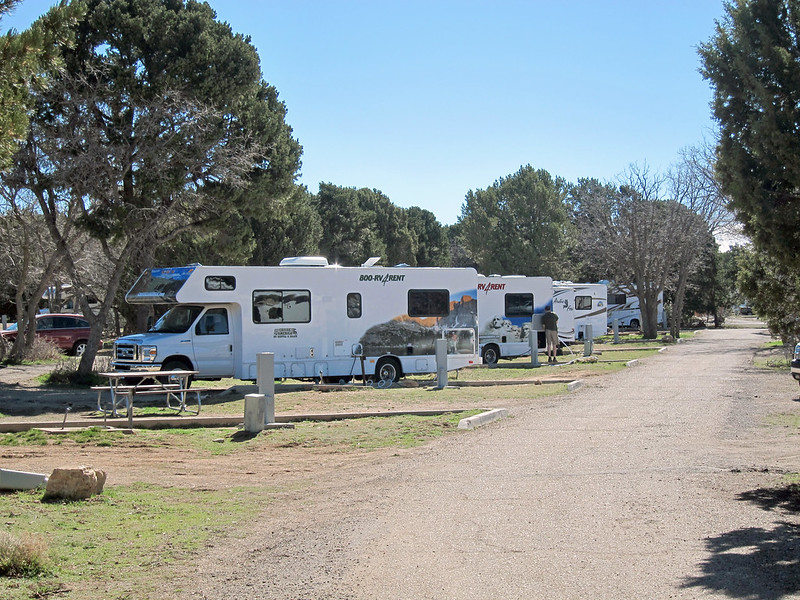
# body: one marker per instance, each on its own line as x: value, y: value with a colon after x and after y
x: 357, y: 350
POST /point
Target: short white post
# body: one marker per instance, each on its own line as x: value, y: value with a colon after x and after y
x: 441, y: 363
x: 265, y: 373
x: 533, y: 338
x: 254, y: 412
x: 588, y: 341
x: 615, y: 328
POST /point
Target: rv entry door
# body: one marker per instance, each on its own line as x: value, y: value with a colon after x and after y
x: 213, y: 343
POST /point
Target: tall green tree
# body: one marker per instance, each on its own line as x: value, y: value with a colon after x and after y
x: 753, y: 65
x: 159, y: 125
x: 431, y: 240
x: 519, y: 225
x: 773, y: 291
x: 27, y: 59
x: 360, y: 223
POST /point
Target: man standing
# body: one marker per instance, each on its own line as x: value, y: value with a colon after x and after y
x: 550, y: 324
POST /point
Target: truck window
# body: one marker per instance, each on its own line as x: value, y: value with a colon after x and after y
x: 177, y: 319
x: 220, y: 282
x: 428, y: 303
x: 519, y: 305
x: 281, y: 306
x: 354, y: 305
x: 616, y: 298
x: 214, y: 322
x: 583, y: 302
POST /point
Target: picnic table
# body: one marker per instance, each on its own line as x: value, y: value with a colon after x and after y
x: 124, y: 386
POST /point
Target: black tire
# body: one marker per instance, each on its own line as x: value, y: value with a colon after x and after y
x: 176, y: 365
x: 79, y: 348
x: 634, y: 323
x: 491, y: 354
x: 387, y: 369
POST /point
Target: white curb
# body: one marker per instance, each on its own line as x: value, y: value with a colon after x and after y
x: 483, y: 418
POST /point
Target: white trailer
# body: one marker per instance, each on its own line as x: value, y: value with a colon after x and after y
x: 590, y: 307
x: 623, y: 306
x: 564, y: 307
x: 321, y: 321
x: 506, y: 305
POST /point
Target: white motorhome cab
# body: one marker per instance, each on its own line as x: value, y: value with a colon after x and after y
x: 623, y: 306
x: 321, y: 321
x: 506, y: 305
x: 590, y: 307
x: 564, y: 307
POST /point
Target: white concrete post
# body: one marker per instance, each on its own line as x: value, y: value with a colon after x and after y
x: 254, y: 412
x: 265, y: 372
x: 441, y: 363
x: 533, y: 338
x: 588, y: 341
x: 615, y: 329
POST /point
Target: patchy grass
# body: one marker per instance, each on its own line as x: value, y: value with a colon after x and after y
x: 25, y: 555
x: 772, y: 355
x: 121, y: 537
x: 788, y: 420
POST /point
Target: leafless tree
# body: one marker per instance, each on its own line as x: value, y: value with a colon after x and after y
x: 692, y: 184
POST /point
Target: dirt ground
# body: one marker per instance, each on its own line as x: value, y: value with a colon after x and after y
x: 23, y: 398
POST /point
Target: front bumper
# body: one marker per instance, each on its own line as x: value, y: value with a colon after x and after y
x: 796, y: 368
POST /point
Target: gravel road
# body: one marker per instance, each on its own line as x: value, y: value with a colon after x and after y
x: 661, y: 481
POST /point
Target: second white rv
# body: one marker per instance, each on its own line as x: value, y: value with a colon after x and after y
x: 321, y: 321
x: 590, y: 307
x: 506, y: 305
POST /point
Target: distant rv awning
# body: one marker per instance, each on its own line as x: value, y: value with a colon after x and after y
x: 158, y: 286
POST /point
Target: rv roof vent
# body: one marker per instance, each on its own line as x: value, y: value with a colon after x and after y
x: 371, y: 261
x: 304, y: 261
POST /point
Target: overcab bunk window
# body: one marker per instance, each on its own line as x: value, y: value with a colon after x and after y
x: 428, y: 303
x: 281, y: 306
x: 220, y: 283
x: 519, y: 305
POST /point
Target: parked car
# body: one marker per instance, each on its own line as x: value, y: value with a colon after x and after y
x: 67, y: 331
x: 796, y: 363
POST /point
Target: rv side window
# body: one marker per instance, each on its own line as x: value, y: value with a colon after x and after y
x: 616, y: 298
x: 281, y: 306
x: 583, y: 302
x: 214, y: 322
x: 220, y: 282
x: 519, y: 305
x: 354, y: 305
x: 428, y: 303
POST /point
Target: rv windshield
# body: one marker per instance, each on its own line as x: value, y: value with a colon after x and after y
x: 177, y: 319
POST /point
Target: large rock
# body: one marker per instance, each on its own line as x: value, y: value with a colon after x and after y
x: 76, y: 483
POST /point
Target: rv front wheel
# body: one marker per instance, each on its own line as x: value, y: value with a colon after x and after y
x: 176, y: 365
x: 388, y: 369
x: 634, y: 323
x: 491, y: 354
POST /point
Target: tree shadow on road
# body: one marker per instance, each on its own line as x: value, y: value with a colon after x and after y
x: 754, y: 562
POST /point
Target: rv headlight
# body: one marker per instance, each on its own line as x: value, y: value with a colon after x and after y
x: 149, y: 353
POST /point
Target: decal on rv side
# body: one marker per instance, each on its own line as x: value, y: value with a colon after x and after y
x: 284, y: 332
x: 383, y: 279
x: 491, y: 287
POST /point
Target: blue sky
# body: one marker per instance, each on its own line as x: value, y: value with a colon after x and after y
x: 426, y: 100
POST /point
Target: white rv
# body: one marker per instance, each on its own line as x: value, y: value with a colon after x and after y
x: 564, y: 307
x: 506, y: 305
x: 623, y: 306
x: 590, y: 307
x: 321, y: 321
